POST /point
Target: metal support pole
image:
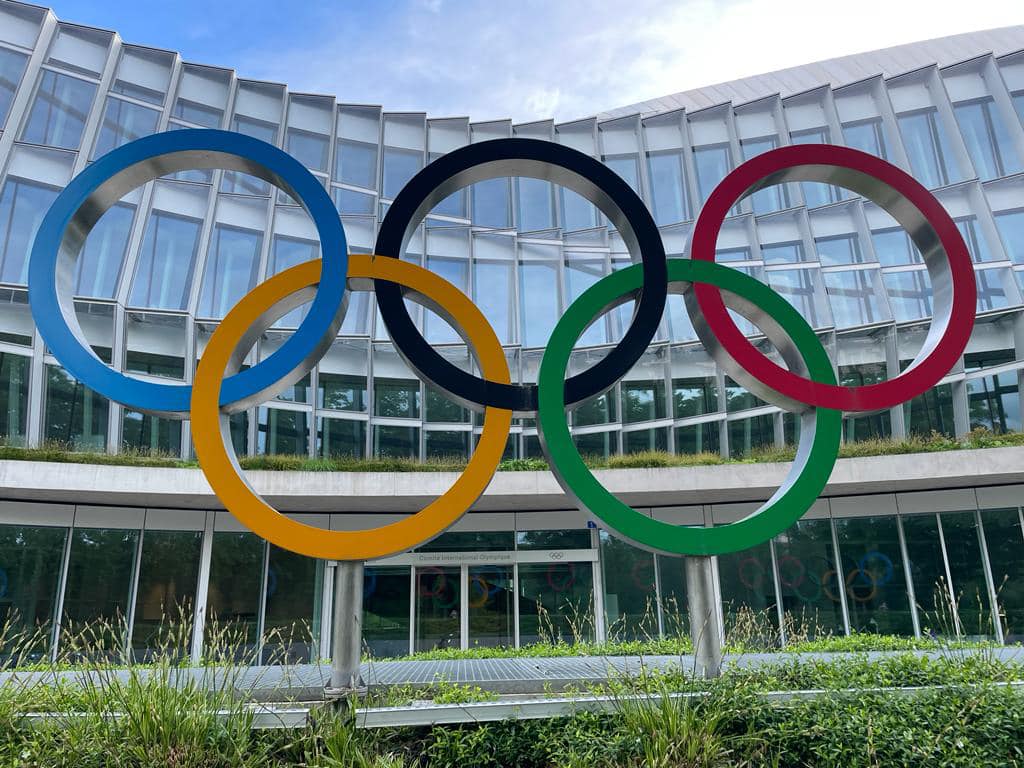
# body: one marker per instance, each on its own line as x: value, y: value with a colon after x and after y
x: 705, y: 629
x: 347, y: 634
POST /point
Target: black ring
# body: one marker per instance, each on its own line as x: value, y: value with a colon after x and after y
x: 540, y: 160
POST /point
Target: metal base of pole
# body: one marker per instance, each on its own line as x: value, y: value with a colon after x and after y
x: 705, y: 629
x: 347, y: 631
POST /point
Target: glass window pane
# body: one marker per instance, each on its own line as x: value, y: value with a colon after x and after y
x: 446, y: 444
x: 987, y: 139
x: 631, y: 612
x: 782, y: 253
x: 59, y: 111
x: 643, y: 400
x: 165, y: 602
x: 99, y: 263
x: 799, y: 288
x: 396, y: 442
x: 310, y: 149
x: 712, y: 165
x: 242, y: 183
x: 12, y: 67
x: 807, y: 575
x: 232, y: 606
x: 841, y: 249
x: 668, y: 192
x: 282, y: 432
x: 910, y: 294
x: 1011, y: 231
x: 930, y: 412
x: 144, y: 433
x: 672, y: 580
x: 960, y: 532
x: 123, y: 122
x: 975, y: 240
x: 341, y: 392
x: 577, y: 212
x: 492, y: 293
x: 1004, y: 539
x: 199, y: 114
x: 456, y: 272
x: 99, y: 585
x: 876, y: 588
x: 352, y: 203
x: 738, y: 399
x: 386, y: 611
x: 773, y: 198
x: 894, y: 247
x: 30, y: 559
x: 294, y: 594
x: 22, y: 207
x: 400, y: 165
x: 748, y: 435
x: 491, y: 203
x: 438, y: 597
x: 643, y: 440
x: 1018, y: 103
x: 534, y: 205
x: 556, y: 603
x: 927, y: 146
x: 864, y: 426
x: 287, y: 252
x: 867, y: 136
x: 75, y: 416
x: 928, y: 573
x: 815, y: 193
x: 14, y: 372
x: 993, y: 402
x: 166, y: 262
x: 491, y: 606
x: 854, y: 298
x: 557, y: 538
x: 749, y: 605
x: 340, y: 438
x: 597, y: 445
x: 230, y: 271
x: 396, y: 397
x: 355, y: 162
x: 698, y: 438
x: 540, y: 305
x: 992, y: 289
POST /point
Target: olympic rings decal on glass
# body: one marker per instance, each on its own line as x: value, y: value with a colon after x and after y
x: 806, y: 386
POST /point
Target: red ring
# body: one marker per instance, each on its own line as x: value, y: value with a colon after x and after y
x: 869, y: 397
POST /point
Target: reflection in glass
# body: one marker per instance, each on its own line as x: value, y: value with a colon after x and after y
x: 698, y: 438
x: 241, y: 183
x: 337, y: 438
x: 292, y: 621
x: 540, y: 305
x: 816, y: 193
x: 862, y: 426
x: 491, y: 203
x: 783, y: 253
x: 712, y: 165
x: 99, y: 584
x: 534, y: 197
x: 400, y: 165
x: 355, y: 162
x: 927, y: 146
x: 309, y: 148
x: 168, y: 574
x: 931, y: 411
x: 30, y: 559
x: 492, y: 293
x: 992, y: 289
x: 894, y: 247
x: 396, y: 397
x: 799, y: 288
x: 22, y: 207
x: 74, y: 416
x: 166, y: 261
x: 438, y: 601
x: 99, y: 263
x: 12, y: 67
x: 230, y: 271
x: 199, y: 114
x: 910, y: 294
x: 286, y: 252
x: 668, y: 191
x: 928, y: 574
x: 876, y: 589
x: 867, y: 136
x: 386, y: 610
x: 992, y: 401
x: 629, y: 593
x: 749, y: 605
x: 963, y: 548
x: 643, y: 400
x: 642, y: 440
x: 396, y: 442
x: 1004, y: 538
x: 977, y: 245
x: 807, y: 575
x: 491, y: 603
x: 854, y: 298
x: 1011, y: 230
x: 769, y: 199
x: 672, y: 582
x: 233, y: 603
x: 556, y: 603
x: 59, y: 111
x: 14, y: 372
x: 123, y: 122
x: 282, y: 432
x: 750, y: 434
x: 838, y: 249
x: 145, y: 433
x: 987, y: 139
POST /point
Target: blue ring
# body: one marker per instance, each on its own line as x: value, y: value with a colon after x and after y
x: 175, y: 399
x: 890, y: 569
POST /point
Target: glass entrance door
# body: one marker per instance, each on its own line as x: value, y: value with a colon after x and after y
x: 438, y: 607
x: 491, y: 605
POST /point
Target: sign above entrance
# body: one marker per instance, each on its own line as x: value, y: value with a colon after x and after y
x: 804, y: 384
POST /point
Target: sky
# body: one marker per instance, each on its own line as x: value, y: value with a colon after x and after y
x: 523, y: 59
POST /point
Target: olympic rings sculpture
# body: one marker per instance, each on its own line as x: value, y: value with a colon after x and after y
x: 806, y: 386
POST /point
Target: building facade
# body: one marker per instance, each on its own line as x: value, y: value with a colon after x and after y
x: 163, y: 267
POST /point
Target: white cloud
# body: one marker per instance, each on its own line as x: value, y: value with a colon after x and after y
x: 536, y: 59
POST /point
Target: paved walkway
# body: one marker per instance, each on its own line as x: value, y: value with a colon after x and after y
x: 506, y: 675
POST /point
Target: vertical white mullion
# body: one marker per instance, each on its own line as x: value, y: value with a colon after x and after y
x: 464, y: 606
x: 993, y: 596
x: 99, y: 105
x: 133, y: 588
x: 327, y: 612
x: 412, y: 608
x: 261, y: 612
x: 22, y: 101
x: 515, y: 603
x: 949, y: 576
x: 657, y: 598
x: 597, y: 570
x: 905, y: 554
x: 777, y: 584
x: 202, y: 589
x: 62, y: 588
x: 840, y: 576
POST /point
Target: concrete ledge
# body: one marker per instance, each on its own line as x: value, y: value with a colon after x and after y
x: 519, y: 491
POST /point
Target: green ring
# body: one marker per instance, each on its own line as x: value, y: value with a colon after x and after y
x: 806, y: 478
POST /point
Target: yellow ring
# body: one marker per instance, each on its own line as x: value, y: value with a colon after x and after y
x: 217, y: 457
